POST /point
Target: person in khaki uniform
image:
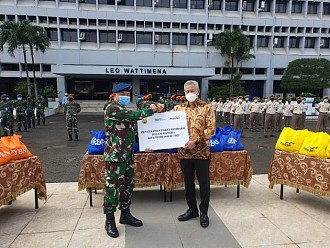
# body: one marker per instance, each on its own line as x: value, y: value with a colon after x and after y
x: 323, y: 108
x: 287, y: 113
x: 303, y: 120
x: 256, y: 109
x: 270, y: 109
x: 195, y: 155
x: 279, y: 115
x: 239, y: 110
x: 226, y: 111
x: 297, y: 110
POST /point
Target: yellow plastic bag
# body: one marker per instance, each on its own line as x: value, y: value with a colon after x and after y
x: 290, y: 140
x: 328, y: 150
x: 315, y: 145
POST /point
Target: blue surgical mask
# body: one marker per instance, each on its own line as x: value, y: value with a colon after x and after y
x: 124, y: 100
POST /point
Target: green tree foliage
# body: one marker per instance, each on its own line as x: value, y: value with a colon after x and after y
x: 224, y: 90
x: 23, y: 35
x: 236, y: 47
x: 307, y: 74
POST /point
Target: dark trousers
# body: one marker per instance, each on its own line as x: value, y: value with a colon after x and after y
x: 202, y: 169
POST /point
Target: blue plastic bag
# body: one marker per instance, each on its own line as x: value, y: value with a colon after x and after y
x: 231, y: 141
x: 96, y: 145
x: 215, y: 142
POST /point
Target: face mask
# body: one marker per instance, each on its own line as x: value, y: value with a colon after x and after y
x: 227, y: 100
x: 266, y: 100
x: 280, y: 101
x: 19, y: 98
x: 246, y: 99
x: 124, y: 100
x: 240, y: 101
x: 325, y: 100
x: 303, y: 101
x: 255, y: 100
x: 191, y: 97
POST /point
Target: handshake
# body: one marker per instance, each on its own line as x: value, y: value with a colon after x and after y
x: 157, y: 107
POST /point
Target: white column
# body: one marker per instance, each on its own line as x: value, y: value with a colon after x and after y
x: 326, y: 92
x: 61, y: 87
x: 135, y: 88
x: 204, y: 88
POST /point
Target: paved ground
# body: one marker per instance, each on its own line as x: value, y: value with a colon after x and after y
x: 61, y: 159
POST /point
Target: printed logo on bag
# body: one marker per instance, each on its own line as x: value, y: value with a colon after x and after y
x: 4, y: 154
x: 232, y: 141
x: 214, y: 142
x: 287, y: 143
x: 18, y: 151
x: 311, y: 149
x: 97, y: 142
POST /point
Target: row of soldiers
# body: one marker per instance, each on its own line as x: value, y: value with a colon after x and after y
x: 168, y: 100
x: 272, y: 114
x: 25, y: 113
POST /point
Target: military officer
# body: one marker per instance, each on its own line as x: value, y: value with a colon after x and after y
x: 21, y: 106
x: 31, y: 106
x: 297, y: 110
x: 71, y: 110
x: 7, y: 118
x: 270, y: 110
x: 41, y: 105
x: 323, y: 108
x: 120, y: 125
x: 169, y: 105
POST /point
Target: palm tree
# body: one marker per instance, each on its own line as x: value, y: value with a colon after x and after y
x: 14, y: 34
x: 235, y: 45
x: 38, y: 40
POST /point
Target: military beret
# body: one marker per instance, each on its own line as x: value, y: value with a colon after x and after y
x: 4, y: 95
x: 71, y: 95
x: 173, y: 97
x: 19, y: 95
x: 121, y: 87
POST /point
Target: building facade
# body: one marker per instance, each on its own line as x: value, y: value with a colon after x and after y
x: 159, y: 44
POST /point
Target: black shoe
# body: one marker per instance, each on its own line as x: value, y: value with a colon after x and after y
x: 76, y: 137
x: 110, y: 226
x: 70, y: 137
x: 272, y: 135
x: 127, y: 218
x: 38, y: 124
x: 204, y: 220
x: 265, y: 135
x: 257, y: 130
x: 189, y: 214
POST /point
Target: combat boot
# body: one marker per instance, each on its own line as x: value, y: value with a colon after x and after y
x: 110, y: 225
x: 127, y: 218
x: 70, y: 137
x: 76, y: 137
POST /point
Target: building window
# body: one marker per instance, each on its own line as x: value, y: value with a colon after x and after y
x: 107, y: 37
x: 246, y: 71
x: 162, y: 38
x: 231, y: 5
x: 163, y: 3
x: 216, y: 5
x: 262, y: 41
x: 325, y: 43
x: 294, y: 42
x: 279, y: 71
x: 296, y: 7
x: 128, y: 37
x: 279, y: 41
x: 197, y: 39
x: 326, y: 8
x: 9, y: 67
x: 180, y: 4
x: 52, y: 34
x: 143, y: 38
x: 107, y: 2
x: 90, y: 35
x: 179, y: 39
x: 197, y: 4
x: 146, y: 3
x: 280, y: 6
x: 249, y: 5
x: 251, y: 40
x: 267, y: 6
x: 260, y: 71
x: 90, y: 1
x: 69, y: 35
x: 68, y: 1
x: 46, y: 68
x: 312, y: 8
x: 309, y: 42
x: 126, y: 2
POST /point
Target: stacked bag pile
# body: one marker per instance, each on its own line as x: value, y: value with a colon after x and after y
x: 12, y: 148
x: 225, y: 139
x: 314, y: 144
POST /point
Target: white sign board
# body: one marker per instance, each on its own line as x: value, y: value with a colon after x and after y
x: 163, y: 131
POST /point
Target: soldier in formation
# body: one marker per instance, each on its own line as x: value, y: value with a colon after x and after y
x: 323, y: 108
x: 21, y: 110
x: 7, y: 118
x: 41, y: 105
x: 31, y: 106
x: 71, y: 111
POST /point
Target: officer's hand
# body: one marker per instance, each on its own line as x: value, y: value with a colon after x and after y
x: 190, y: 145
x: 160, y: 107
x: 153, y: 107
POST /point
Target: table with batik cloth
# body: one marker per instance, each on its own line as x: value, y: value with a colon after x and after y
x: 20, y: 176
x: 301, y: 172
x: 151, y: 169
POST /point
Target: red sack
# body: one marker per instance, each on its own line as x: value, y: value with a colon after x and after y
x: 5, y: 155
x: 17, y: 148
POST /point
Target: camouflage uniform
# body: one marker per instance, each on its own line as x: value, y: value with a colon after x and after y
x: 169, y: 105
x: 118, y: 155
x: 21, y: 107
x: 41, y: 105
x: 7, y: 118
x: 71, y: 110
x: 31, y: 118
